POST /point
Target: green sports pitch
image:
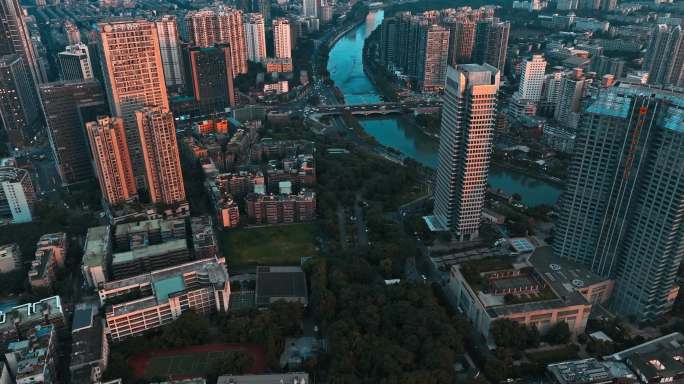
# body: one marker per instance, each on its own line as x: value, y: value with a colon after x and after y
x: 191, y: 364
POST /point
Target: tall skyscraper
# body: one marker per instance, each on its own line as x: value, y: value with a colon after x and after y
x: 224, y: 26
x: 212, y: 80
x: 255, y: 33
x: 310, y: 7
x: 134, y: 77
x: 622, y: 212
x: 74, y: 63
x: 572, y: 87
x: 68, y: 105
x: 532, y: 74
x: 160, y: 151
x: 17, y: 195
x: 468, y: 115
x: 435, y: 61
x: 664, y: 59
x: 282, y: 38
x: 491, y: 42
x: 169, y: 44
x: 19, y: 109
x: 107, y: 137
x: 15, y: 39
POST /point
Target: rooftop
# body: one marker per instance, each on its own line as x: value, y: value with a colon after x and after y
x: 149, y: 251
x: 588, y: 371
x: 146, y: 226
x: 275, y: 378
x: 86, y: 335
x: 280, y: 282
x: 166, y: 282
x: 31, y: 312
x: 539, y: 281
x: 564, y: 276
x: 97, y: 246
x: 32, y: 353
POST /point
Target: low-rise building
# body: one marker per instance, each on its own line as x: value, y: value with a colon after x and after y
x: 657, y: 361
x: 279, y: 65
x: 141, y: 233
x: 558, y: 138
x: 280, y: 284
x: 271, y: 378
x: 33, y: 359
x: 49, y: 257
x: 535, y: 290
x: 590, y: 371
x: 148, y: 258
x: 204, y: 242
x: 10, y: 257
x: 275, y: 209
x: 19, y: 319
x: 151, y: 300
x: 89, y: 345
x: 97, y: 251
x: 277, y: 87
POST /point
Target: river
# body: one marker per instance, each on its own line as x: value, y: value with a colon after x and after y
x: 346, y: 70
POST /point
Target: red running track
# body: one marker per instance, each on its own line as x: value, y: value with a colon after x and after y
x: 138, y: 363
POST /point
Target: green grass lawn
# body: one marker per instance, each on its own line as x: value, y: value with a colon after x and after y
x: 279, y: 245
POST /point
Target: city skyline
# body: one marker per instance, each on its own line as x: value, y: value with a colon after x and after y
x: 341, y: 191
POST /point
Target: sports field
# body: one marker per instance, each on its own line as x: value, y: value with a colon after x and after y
x: 276, y: 245
x: 190, y: 362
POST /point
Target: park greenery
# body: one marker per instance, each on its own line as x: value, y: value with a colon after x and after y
x: 379, y: 333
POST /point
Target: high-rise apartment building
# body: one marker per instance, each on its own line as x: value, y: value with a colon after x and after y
x: 223, y: 25
x: 461, y: 41
x: 19, y: 109
x: 435, y: 61
x: 414, y: 44
x: 74, y: 63
x: 572, y: 87
x: 107, y: 137
x: 468, y: 115
x: 310, y: 7
x: 622, y: 212
x: 532, y: 74
x: 15, y: 39
x: 169, y: 44
x: 157, y: 133
x: 134, y: 78
x: 282, y: 39
x: 68, y: 106
x: 263, y: 7
x: 212, y: 79
x: 72, y: 33
x: 16, y: 195
x: 664, y: 59
x: 604, y: 65
x: 255, y: 33
x: 202, y: 27
x: 491, y: 42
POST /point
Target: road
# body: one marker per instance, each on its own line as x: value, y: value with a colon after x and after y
x: 361, y: 229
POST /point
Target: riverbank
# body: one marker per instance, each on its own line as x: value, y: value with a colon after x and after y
x: 528, y: 172
x: 408, y: 142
